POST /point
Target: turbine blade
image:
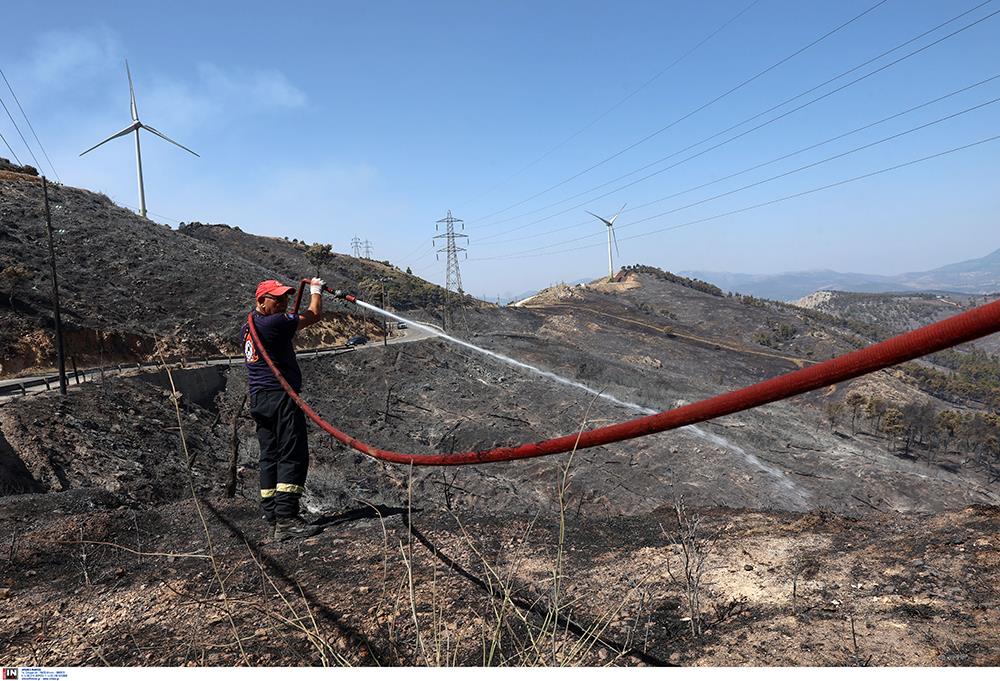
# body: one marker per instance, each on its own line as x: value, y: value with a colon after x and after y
x: 126, y: 131
x: 619, y: 212
x: 599, y: 218
x: 160, y: 134
x: 131, y: 93
x: 614, y: 236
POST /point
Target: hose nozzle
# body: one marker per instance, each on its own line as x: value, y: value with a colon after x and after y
x: 343, y: 295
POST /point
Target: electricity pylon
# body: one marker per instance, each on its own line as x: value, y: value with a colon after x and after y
x: 356, y: 246
x: 453, y: 276
x: 368, y: 250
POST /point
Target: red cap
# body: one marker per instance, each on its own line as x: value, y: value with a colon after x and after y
x: 272, y: 287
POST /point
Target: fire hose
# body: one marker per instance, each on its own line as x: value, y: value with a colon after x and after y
x: 961, y: 328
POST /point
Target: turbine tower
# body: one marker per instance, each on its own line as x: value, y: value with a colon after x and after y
x: 611, y: 237
x: 135, y: 126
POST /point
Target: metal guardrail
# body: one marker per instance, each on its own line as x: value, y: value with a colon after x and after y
x: 78, y: 376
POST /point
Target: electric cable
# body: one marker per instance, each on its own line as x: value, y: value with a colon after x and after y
x: 747, y: 120
x: 532, y: 254
x: 11, y: 149
x: 786, y: 173
x: 24, y: 141
x: 30, y: 126
x: 692, y: 112
x: 617, y: 104
x: 492, y: 240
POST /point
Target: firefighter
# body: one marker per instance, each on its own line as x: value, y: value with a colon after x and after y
x: 281, y: 425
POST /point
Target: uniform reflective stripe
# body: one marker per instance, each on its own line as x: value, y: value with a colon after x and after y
x: 266, y: 493
x: 291, y: 489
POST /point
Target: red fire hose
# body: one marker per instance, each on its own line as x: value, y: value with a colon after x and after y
x: 967, y: 326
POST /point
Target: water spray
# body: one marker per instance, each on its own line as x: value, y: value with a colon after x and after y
x: 961, y: 328
x: 697, y: 432
x: 350, y: 298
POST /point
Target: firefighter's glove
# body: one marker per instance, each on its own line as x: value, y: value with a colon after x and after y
x: 316, y: 286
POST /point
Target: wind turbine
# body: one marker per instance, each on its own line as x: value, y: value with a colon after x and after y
x: 135, y: 126
x: 611, y: 237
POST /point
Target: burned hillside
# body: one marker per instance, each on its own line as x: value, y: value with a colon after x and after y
x: 125, y: 281
x: 834, y: 528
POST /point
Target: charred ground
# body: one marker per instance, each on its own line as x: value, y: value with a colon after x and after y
x: 125, y: 281
x: 828, y: 538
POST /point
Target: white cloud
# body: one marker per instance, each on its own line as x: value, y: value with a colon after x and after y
x: 267, y: 88
x: 85, y: 65
x: 63, y: 58
x: 325, y: 201
x: 213, y: 92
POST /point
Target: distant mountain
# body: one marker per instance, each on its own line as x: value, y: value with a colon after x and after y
x: 980, y: 275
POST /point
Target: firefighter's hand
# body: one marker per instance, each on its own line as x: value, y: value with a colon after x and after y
x: 316, y: 286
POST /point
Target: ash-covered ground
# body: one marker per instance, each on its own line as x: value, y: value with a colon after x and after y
x: 822, y: 545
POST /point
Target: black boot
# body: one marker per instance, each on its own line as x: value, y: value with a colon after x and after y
x: 294, y: 528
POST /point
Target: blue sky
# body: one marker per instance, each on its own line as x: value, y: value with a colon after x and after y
x: 320, y: 121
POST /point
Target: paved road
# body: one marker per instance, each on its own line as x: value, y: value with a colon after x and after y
x: 15, y: 387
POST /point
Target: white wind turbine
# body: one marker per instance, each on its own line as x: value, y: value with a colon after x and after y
x: 611, y: 237
x: 135, y: 126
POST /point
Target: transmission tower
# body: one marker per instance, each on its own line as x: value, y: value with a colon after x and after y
x: 453, y: 278
x: 368, y: 249
x: 356, y: 246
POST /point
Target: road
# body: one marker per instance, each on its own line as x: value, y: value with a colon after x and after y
x: 15, y: 387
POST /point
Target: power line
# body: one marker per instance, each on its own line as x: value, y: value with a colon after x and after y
x: 37, y: 164
x: 694, y: 111
x: 621, y: 101
x: 747, y: 120
x: 757, y: 115
x: 9, y: 148
x: 784, y: 174
x: 936, y: 100
x: 30, y: 126
x: 421, y: 248
x: 763, y: 204
x: 424, y: 253
x: 122, y: 204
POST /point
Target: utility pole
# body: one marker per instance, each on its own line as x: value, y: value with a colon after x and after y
x: 356, y: 246
x: 368, y: 249
x: 385, y: 322
x: 453, y: 276
x: 60, y: 354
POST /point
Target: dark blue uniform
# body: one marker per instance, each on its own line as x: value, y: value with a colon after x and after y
x: 281, y: 425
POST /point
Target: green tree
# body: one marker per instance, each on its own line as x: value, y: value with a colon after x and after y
x: 319, y: 255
